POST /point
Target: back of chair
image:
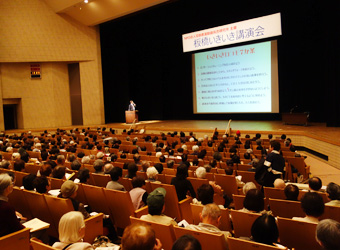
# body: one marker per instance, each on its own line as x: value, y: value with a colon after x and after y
x: 196, y: 182
x: 274, y: 193
x: 165, y: 233
x: 94, y: 227
x: 208, y: 240
x: 297, y: 234
x: 247, y: 176
x: 238, y: 201
x: 100, y: 180
x: 17, y: 240
x: 19, y: 202
x: 243, y: 222
x: 238, y: 244
x: 286, y: 209
x: 96, y: 199
x: 228, y: 184
x: 37, y: 245
x: 331, y: 212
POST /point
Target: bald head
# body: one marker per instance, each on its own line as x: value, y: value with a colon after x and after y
x: 279, y: 183
x: 138, y: 236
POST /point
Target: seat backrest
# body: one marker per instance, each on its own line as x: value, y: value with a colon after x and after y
x: 37, y: 245
x: 56, y: 183
x: 225, y: 224
x: 297, y: 234
x: 39, y: 209
x: 208, y: 240
x: 31, y: 168
x: 96, y: 199
x: 274, y: 193
x: 126, y: 182
x: 247, y: 176
x: 242, y: 222
x: 331, y: 212
x: 18, y: 177
x: 100, y: 180
x: 238, y: 201
x: 196, y: 182
x: 237, y: 244
x: 19, y: 202
x: 165, y: 233
x: 94, y: 227
x: 285, y: 208
x: 120, y: 205
x: 228, y: 183
x: 17, y: 240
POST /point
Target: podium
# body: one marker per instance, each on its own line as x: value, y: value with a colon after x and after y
x: 130, y: 116
x: 295, y: 118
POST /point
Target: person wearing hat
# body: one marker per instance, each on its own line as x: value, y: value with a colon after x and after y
x: 156, y: 207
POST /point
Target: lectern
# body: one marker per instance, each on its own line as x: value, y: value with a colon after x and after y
x: 130, y: 116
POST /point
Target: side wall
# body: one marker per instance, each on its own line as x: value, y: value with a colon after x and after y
x: 32, y: 33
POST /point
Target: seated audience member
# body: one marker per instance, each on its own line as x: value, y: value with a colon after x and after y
x: 75, y: 165
x: 5, y: 164
x: 9, y: 222
x: 138, y: 193
x: 229, y: 171
x: 248, y: 186
x: 140, y: 236
x: 59, y: 172
x: 328, y: 234
x: 116, y: 173
x: 98, y: 166
x: 333, y: 191
x: 19, y: 165
x: 254, y: 202
x: 41, y: 184
x: 279, y: 183
x: 182, y: 184
x: 291, y: 192
x: 83, y: 176
x: 107, y: 168
x: 27, y: 182
x: 264, y: 230
x: 186, y: 242
x: 205, y: 195
x: 71, y: 232
x: 132, y: 170
x: 159, y: 167
x: 315, y: 183
x: 201, y: 174
x: 151, y: 173
x: 210, y: 221
x: 170, y: 163
x: 156, y: 207
x: 313, y: 206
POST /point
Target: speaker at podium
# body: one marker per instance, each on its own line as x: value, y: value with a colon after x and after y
x: 131, y: 116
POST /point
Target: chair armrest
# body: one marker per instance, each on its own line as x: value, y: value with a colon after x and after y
x: 142, y: 211
x: 185, y: 209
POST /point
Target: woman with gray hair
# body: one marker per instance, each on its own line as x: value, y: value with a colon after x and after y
x: 9, y: 222
x: 71, y: 232
x: 328, y: 234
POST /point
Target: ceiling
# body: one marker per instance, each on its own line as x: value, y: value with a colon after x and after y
x: 99, y: 11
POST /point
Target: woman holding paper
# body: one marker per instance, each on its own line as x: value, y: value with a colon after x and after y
x: 9, y: 223
x: 71, y: 232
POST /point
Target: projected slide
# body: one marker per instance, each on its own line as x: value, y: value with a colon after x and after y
x: 241, y: 79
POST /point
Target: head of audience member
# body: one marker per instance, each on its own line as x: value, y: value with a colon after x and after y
x: 247, y: 186
x: 116, y: 173
x: 254, y: 201
x: 139, y: 236
x: 151, y: 173
x: 264, y: 230
x: 68, y: 189
x: 279, y: 183
x: 328, y: 234
x: 85, y: 159
x: 211, y: 214
x: 19, y: 165
x: 59, y: 172
x: 137, y: 182
x: 275, y: 145
x: 107, y: 168
x: 186, y: 242
x: 312, y: 204
x: 201, y: 172
x: 6, y: 184
x: 333, y: 191
x: 155, y: 201
x: 75, y: 165
x: 315, y: 183
x: 25, y: 156
x: 182, y: 172
x: 41, y: 184
x: 132, y: 170
x: 170, y: 163
x: 5, y: 164
x: 229, y: 170
x: 291, y: 192
x: 98, y: 166
x: 83, y: 175
x: 71, y: 227
x: 60, y: 160
x: 27, y: 181
x: 159, y: 167
x: 205, y: 194
x: 100, y: 155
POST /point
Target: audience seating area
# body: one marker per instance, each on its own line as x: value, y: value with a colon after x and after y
x: 118, y: 204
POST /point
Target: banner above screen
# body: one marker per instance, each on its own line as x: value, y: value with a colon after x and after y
x: 244, y: 31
